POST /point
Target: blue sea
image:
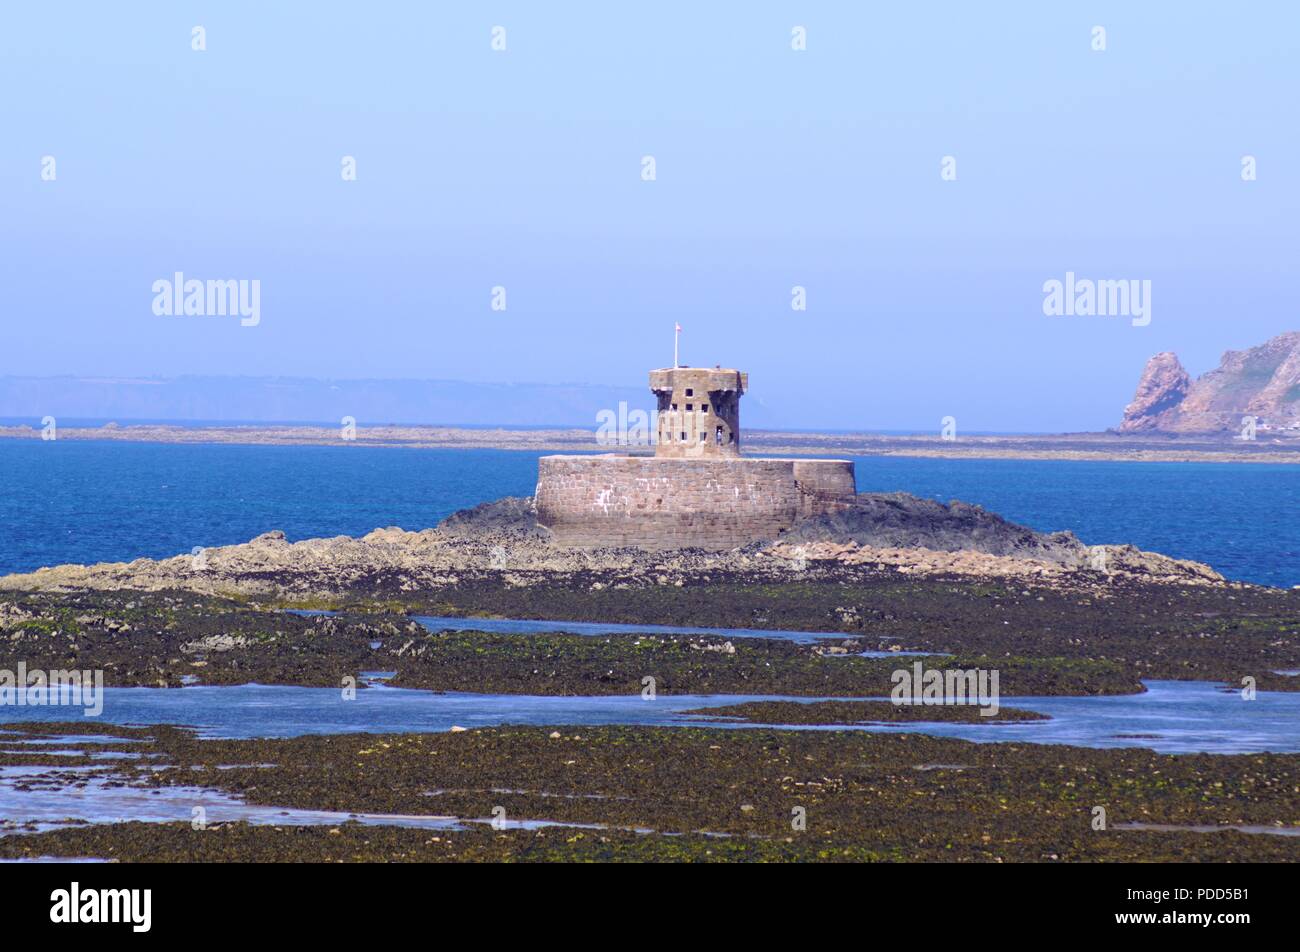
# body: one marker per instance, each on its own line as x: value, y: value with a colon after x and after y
x: 75, y: 501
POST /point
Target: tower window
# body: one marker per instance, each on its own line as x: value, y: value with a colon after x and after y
x: 690, y: 392
x: 683, y: 436
x: 690, y: 407
x: 704, y: 407
x: 674, y: 406
x: 703, y: 436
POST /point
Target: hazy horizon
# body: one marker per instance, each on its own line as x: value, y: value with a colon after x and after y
x: 198, y: 400
x: 301, y: 401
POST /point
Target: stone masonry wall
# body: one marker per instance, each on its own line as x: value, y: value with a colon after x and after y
x: 659, y: 503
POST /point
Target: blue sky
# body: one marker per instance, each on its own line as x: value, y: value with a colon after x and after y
x: 775, y: 168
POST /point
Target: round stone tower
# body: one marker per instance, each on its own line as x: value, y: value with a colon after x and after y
x: 697, y: 491
x: 699, y: 411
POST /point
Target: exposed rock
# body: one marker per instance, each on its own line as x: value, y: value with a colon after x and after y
x: 502, y: 541
x: 1133, y: 561
x: 216, y: 643
x: 11, y: 615
x: 903, y: 521
x: 1161, y: 390
x: 1098, y: 563
x: 512, y: 515
x: 1262, y: 382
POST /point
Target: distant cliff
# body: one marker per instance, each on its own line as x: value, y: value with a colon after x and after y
x: 1263, y: 382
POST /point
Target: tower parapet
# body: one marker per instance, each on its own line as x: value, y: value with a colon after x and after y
x: 699, y: 411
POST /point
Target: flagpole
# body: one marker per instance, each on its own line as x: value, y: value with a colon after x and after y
x: 677, y: 329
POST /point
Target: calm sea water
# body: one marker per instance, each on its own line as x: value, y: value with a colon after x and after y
x: 98, y: 501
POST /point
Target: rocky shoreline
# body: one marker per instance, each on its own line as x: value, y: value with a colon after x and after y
x: 895, y: 573
x: 885, y: 531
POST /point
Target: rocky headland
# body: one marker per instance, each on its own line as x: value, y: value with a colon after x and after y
x: 1262, y: 382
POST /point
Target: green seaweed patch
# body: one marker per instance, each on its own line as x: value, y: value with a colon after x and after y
x: 1156, y: 631
x: 580, y: 665
x: 357, y: 843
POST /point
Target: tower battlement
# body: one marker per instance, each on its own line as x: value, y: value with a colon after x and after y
x: 699, y: 411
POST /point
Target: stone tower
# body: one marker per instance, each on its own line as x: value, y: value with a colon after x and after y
x: 697, y: 491
x: 699, y: 411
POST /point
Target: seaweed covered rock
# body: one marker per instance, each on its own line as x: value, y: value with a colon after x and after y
x: 904, y: 521
x: 511, y: 516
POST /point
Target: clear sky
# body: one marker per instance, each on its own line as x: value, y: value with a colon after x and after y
x: 522, y: 168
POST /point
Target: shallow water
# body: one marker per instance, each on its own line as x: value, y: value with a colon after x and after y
x: 1170, y: 717
x: 1209, y: 828
x: 55, y: 797
x: 517, y: 626
x: 58, y: 859
x: 256, y: 710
